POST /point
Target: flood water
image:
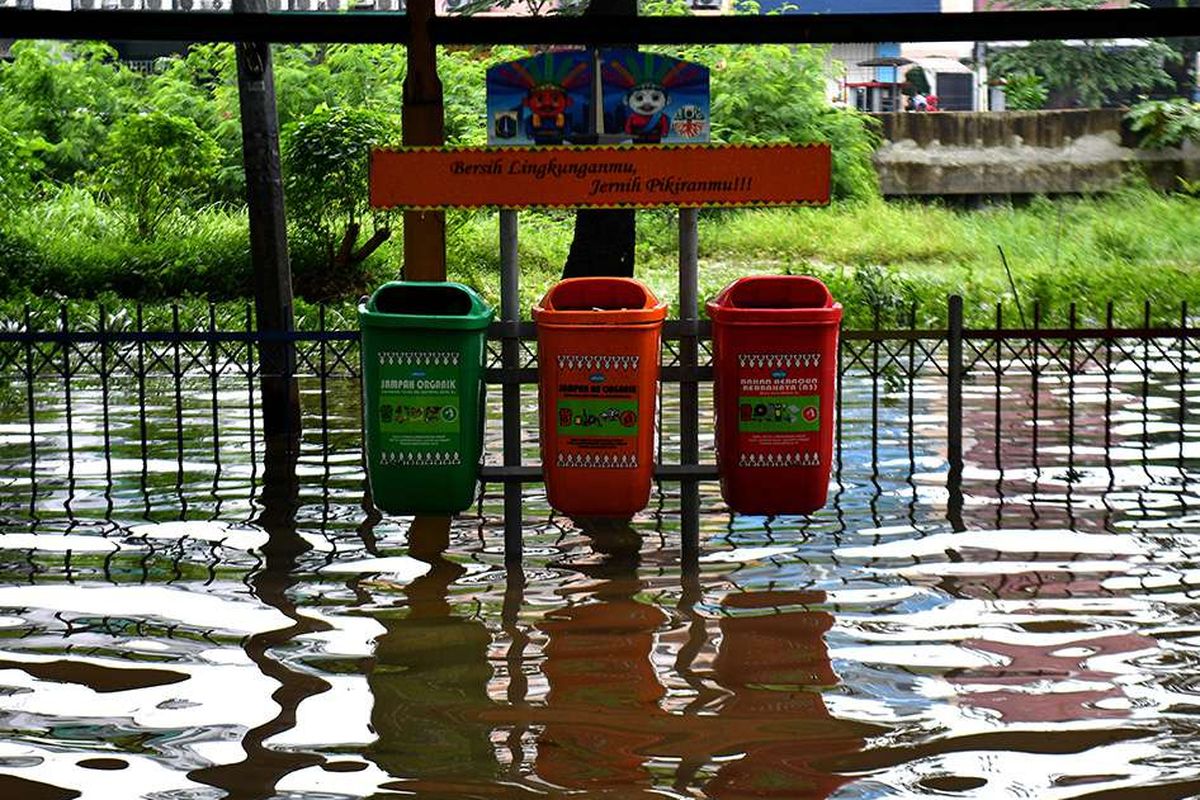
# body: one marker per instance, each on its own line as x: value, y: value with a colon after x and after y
x: 183, y: 617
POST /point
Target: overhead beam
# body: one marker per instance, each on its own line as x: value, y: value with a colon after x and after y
x: 384, y: 27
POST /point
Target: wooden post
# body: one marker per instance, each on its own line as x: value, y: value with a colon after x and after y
x: 268, y: 234
x: 423, y: 125
x: 424, y: 231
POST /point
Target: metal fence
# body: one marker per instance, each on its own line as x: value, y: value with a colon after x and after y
x: 118, y: 390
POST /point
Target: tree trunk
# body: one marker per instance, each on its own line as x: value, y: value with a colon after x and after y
x: 604, y: 240
x: 603, y: 244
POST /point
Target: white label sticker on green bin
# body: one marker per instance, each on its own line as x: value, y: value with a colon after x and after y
x: 419, y: 407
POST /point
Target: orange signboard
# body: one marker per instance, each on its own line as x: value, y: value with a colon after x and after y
x: 623, y: 176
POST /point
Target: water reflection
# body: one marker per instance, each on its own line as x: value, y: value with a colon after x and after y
x: 774, y: 662
x: 429, y: 680
x: 1064, y: 678
x: 604, y: 691
x: 257, y: 774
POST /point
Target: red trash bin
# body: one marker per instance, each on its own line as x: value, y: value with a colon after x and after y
x: 775, y: 341
x: 599, y: 341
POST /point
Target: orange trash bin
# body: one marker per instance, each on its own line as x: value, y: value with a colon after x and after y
x: 599, y: 341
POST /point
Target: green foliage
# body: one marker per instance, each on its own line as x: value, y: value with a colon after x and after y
x: 202, y: 86
x: 1093, y: 72
x: 1132, y: 246
x: 19, y: 164
x: 1165, y: 123
x: 17, y: 259
x: 915, y: 81
x: 154, y: 163
x: 63, y: 107
x: 663, y: 8
x: 464, y: 76
x: 777, y: 93
x: 1025, y: 91
x: 325, y: 158
x: 66, y: 95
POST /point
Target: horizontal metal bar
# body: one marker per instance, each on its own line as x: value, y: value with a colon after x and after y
x: 533, y: 474
x: 1080, y: 333
x: 167, y: 337
x: 378, y: 27
x: 383, y: 27
x: 500, y: 330
x: 672, y: 330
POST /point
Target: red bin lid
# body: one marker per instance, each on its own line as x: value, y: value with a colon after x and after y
x: 776, y: 299
x: 599, y: 301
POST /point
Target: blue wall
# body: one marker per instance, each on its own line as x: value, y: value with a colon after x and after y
x: 889, y: 74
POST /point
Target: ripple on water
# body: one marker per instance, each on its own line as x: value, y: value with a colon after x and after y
x: 172, y: 623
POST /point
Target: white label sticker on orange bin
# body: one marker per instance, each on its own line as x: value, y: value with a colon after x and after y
x: 596, y: 412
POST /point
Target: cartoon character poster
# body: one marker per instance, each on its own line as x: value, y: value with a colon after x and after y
x: 654, y: 98
x: 544, y: 99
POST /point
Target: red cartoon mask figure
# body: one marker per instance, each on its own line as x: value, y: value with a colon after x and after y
x: 547, y: 106
x: 543, y: 99
x: 548, y: 101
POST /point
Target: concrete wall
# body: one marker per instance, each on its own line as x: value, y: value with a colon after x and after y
x: 1018, y: 152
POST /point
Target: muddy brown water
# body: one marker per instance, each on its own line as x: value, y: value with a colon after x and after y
x: 185, y: 619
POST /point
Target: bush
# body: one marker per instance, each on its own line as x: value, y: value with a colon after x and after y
x: 154, y: 164
x: 1024, y: 91
x: 772, y: 93
x: 326, y: 155
x: 68, y: 95
x: 1165, y: 123
x: 18, y: 166
x: 18, y: 260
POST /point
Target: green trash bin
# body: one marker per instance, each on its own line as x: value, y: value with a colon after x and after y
x: 422, y: 357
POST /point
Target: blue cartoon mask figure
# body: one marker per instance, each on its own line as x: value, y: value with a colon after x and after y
x: 647, y: 120
x: 645, y: 93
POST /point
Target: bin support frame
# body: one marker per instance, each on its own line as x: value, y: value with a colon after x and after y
x: 689, y: 386
x: 510, y: 320
x: 687, y: 331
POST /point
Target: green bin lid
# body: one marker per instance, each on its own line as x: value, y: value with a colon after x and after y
x: 440, y: 305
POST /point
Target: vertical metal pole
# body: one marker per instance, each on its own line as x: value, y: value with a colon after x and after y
x: 689, y: 398
x: 268, y: 233
x: 423, y: 124
x: 510, y: 354
x: 954, y: 413
x: 1071, y: 361
x: 31, y: 377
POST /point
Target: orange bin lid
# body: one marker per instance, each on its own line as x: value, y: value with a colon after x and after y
x: 599, y: 301
x: 776, y: 299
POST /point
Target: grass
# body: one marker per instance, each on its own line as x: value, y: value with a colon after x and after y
x: 890, y: 261
x: 900, y: 260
